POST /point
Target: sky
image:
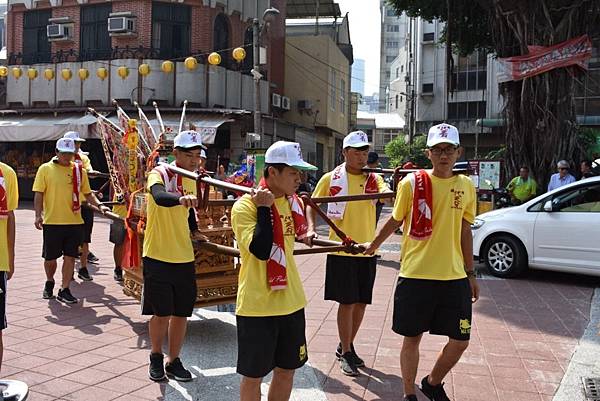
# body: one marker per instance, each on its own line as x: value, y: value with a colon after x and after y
x: 365, y: 27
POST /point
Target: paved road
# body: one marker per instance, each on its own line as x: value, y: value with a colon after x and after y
x: 524, y: 335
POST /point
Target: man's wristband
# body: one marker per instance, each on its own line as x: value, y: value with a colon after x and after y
x: 471, y: 273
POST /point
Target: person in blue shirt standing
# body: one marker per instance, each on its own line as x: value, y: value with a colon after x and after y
x: 562, y: 178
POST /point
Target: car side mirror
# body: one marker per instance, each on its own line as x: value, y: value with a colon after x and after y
x: 548, y: 206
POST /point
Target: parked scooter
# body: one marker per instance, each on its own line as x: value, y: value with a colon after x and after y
x: 499, y: 197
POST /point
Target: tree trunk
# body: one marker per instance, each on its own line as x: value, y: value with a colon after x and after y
x: 539, y: 111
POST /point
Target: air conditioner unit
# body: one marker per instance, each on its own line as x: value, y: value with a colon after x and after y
x: 121, y: 25
x: 57, y: 31
x: 276, y: 100
x: 304, y: 105
x: 285, y: 102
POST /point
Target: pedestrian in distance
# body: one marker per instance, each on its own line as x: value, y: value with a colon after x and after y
x: 585, y: 167
x: 58, y: 188
x: 436, y: 284
x: 270, y: 300
x: 169, y: 291
x: 522, y: 188
x: 373, y: 162
x: 349, y: 278
x: 562, y: 178
x: 9, y: 200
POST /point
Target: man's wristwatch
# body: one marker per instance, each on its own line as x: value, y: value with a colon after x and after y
x: 471, y: 273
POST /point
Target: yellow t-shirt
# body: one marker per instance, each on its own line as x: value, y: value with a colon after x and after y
x: 440, y: 257
x: 56, y: 183
x: 167, y: 234
x: 254, y: 297
x: 359, y: 217
x: 12, y: 194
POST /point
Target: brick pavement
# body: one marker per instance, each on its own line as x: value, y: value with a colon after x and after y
x: 524, y: 334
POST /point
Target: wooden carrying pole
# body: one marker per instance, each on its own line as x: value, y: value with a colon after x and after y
x: 207, y: 180
x: 323, y: 246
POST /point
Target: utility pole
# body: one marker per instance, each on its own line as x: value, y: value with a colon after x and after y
x: 257, y: 76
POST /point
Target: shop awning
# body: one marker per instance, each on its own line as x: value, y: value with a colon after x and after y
x: 205, y: 123
x: 44, y: 128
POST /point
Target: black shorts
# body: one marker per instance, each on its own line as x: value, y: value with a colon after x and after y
x: 440, y: 307
x: 61, y: 240
x: 117, y: 232
x: 3, y: 278
x: 350, y: 280
x: 265, y: 343
x: 169, y: 288
x: 87, y: 215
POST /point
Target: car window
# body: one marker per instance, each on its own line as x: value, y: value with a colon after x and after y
x: 582, y: 199
x: 539, y: 206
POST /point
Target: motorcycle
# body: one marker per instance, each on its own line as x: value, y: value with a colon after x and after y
x: 499, y: 197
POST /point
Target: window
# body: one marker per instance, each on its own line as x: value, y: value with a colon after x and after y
x: 393, y: 28
x: 389, y: 59
x: 36, y: 48
x: 401, y: 68
x: 586, y: 199
x: 221, y: 38
x: 397, y: 72
x: 342, y: 96
x: 466, y: 110
x: 171, y: 29
x: 397, y: 96
x: 369, y: 133
x: 390, y: 12
x: 471, y: 73
x: 391, y: 45
x: 428, y: 37
x: 332, y: 91
x: 427, y: 88
x: 95, y: 40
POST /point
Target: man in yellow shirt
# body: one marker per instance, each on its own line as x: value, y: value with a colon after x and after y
x: 169, y: 292
x: 350, y: 278
x: 270, y: 299
x: 437, y: 283
x: 57, y: 188
x: 9, y: 199
x: 522, y: 188
x: 87, y: 214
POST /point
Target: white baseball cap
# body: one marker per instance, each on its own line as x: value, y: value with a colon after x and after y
x: 442, y: 133
x: 188, y: 139
x: 74, y: 135
x: 356, y: 139
x: 65, y: 145
x: 289, y: 153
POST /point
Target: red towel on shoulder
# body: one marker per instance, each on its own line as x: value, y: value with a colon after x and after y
x: 422, y: 206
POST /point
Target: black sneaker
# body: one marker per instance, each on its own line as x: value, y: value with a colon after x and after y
x: 92, y: 258
x: 48, y: 289
x: 410, y: 397
x: 175, y: 370
x: 358, y: 362
x: 156, y: 371
x: 84, y: 275
x: 347, y: 364
x: 434, y: 393
x: 118, y: 274
x: 64, y: 295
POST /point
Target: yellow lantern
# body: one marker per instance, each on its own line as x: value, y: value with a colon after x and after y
x: 123, y: 72
x: 3, y: 71
x: 66, y: 73
x: 17, y: 72
x: 239, y: 54
x: 83, y: 74
x: 214, y: 58
x: 102, y: 73
x: 144, y: 69
x: 32, y: 73
x: 190, y: 63
x: 49, y: 74
x: 168, y: 66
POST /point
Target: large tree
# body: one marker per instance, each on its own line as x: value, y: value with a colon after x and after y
x: 539, y: 111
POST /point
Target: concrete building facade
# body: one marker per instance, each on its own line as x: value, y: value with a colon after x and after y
x: 393, y: 35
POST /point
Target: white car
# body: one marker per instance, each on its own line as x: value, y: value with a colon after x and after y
x: 559, y: 230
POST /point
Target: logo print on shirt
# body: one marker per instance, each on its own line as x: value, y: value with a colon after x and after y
x: 457, y: 198
x: 288, y: 225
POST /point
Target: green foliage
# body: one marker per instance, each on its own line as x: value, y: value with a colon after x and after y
x: 399, y: 152
x: 469, y: 21
x: 587, y: 140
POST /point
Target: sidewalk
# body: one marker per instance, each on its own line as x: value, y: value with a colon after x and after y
x: 524, y: 334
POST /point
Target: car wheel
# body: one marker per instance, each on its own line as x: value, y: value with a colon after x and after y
x: 505, y: 256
